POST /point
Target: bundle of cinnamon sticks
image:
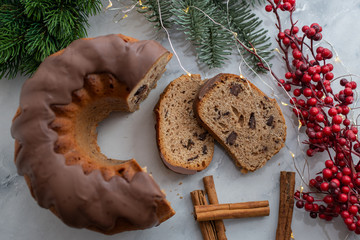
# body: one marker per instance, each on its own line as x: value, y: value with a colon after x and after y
x: 210, y: 216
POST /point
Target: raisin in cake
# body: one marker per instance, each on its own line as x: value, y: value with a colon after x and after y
x: 241, y: 118
x: 185, y: 147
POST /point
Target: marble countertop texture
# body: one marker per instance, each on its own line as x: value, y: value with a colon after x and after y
x: 123, y: 136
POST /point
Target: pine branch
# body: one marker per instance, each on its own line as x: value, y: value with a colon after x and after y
x: 211, y: 41
x: 246, y: 25
x: 150, y: 10
x: 32, y: 30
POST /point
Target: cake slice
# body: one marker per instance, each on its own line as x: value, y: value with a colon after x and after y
x: 185, y: 147
x: 248, y: 124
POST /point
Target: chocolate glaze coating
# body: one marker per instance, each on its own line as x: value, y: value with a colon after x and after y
x: 82, y: 200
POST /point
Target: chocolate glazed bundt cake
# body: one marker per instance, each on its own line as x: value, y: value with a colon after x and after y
x: 55, y: 134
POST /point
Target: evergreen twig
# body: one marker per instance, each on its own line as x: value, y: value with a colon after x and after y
x: 32, y: 30
x: 150, y: 9
x: 212, y: 42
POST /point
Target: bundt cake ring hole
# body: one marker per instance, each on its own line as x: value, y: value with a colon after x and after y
x: 76, y: 123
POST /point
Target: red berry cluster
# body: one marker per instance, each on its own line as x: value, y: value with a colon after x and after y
x: 325, y: 115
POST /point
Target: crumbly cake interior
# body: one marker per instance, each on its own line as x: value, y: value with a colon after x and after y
x: 246, y: 122
x: 183, y: 142
x: 76, y: 122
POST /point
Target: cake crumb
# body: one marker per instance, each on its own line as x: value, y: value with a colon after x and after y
x: 180, y: 183
x: 178, y: 194
x: 181, y: 197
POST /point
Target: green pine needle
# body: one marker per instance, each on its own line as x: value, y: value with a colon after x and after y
x: 150, y: 9
x: 214, y: 43
x: 32, y: 30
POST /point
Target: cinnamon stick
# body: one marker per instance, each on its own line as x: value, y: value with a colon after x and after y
x: 213, y: 199
x: 233, y: 213
x: 231, y: 206
x: 286, y: 204
x: 208, y: 230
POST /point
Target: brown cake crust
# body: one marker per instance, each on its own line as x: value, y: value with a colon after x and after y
x: 55, y: 134
x: 251, y: 134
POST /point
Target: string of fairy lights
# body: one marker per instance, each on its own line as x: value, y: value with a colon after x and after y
x: 301, y: 171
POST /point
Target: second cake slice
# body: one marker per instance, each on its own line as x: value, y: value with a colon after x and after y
x: 248, y: 124
x: 185, y: 147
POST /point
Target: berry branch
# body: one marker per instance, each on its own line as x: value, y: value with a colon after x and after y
x: 324, y: 114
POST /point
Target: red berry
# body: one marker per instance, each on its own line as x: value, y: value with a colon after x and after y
x: 310, y: 152
x: 306, y: 78
x: 325, y: 69
x: 354, y: 129
x: 297, y: 54
x: 316, y: 77
x: 326, y: 53
x: 301, y: 102
x: 297, y: 92
x: 286, y: 41
x: 353, y: 85
x: 300, y: 204
x: 329, y: 76
x: 357, y: 182
x: 342, y: 141
x: 335, y: 181
x: 348, y: 91
x: 305, y: 28
x: 345, y: 189
x: 349, y: 100
x: 281, y: 35
x: 319, y: 94
x: 346, y: 122
x: 319, y: 57
x: 346, y: 180
x: 312, y: 182
x: 329, y: 163
x: 353, y: 209
x: 328, y: 199
x: 314, y: 111
x: 345, y: 110
x: 352, y: 227
x: 342, y: 198
x: 268, y: 8
x: 288, y: 75
x: 345, y: 214
x: 312, y: 102
x: 320, y: 118
x: 353, y: 199
x: 295, y: 29
x: 307, y: 92
x: 287, y: 87
x: 328, y: 89
x: 287, y: 6
x: 348, y: 221
x: 327, y: 131
x: 328, y: 100
x: 337, y: 119
x: 308, y: 207
x: 331, y: 67
x: 346, y: 171
x: 332, y: 111
x: 324, y: 186
x: 310, y: 32
x: 335, y: 128
x: 327, y: 173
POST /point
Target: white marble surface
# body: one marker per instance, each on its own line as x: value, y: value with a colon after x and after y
x: 123, y: 136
